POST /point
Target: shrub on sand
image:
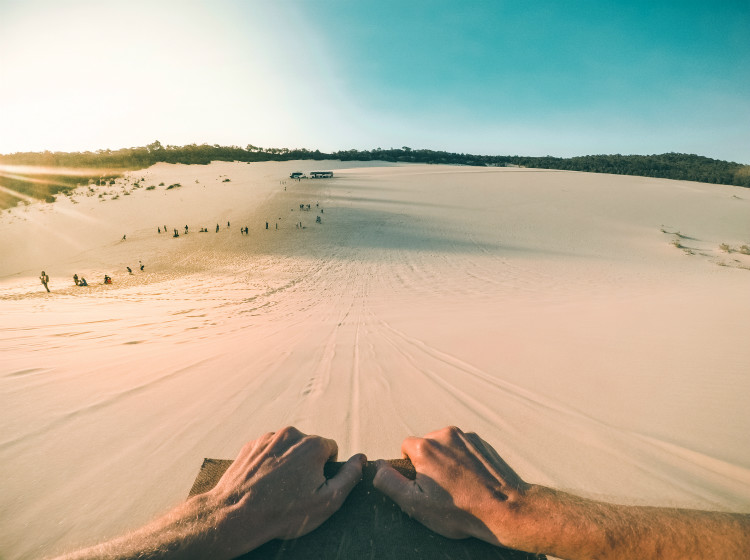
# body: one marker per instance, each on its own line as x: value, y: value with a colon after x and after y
x: 745, y: 250
x: 725, y: 247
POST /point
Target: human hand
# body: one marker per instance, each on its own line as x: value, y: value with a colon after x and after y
x: 463, y: 488
x: 276, y: 489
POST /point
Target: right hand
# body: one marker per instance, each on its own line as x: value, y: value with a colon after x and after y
x: 463, y: 488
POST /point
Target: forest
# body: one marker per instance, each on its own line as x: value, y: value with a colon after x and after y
x: 33, y: 174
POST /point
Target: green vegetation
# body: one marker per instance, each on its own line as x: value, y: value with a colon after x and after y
x: 687, y: 167
x: 43, y: 186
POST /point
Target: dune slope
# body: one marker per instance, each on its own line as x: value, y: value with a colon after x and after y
x: 588, y: 326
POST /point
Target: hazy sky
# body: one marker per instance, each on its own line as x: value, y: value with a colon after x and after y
x: 490, y: 77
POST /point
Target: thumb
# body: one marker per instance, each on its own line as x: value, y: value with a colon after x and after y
x: 346, y: 479
x: 394, y: 485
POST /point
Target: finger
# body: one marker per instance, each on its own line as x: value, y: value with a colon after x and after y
x: 394, y: 485
x: 329, y: 449
x: 345, y: 480
x: 289, y: 435
x: 412, y: 447
x: 250, y: 451
x: 481, y: 446
x: 494, y: 462
x: 446, y: 435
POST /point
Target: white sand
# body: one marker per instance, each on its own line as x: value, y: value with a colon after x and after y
x: 545, y: 310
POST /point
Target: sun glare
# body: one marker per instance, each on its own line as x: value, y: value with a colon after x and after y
x: 31, y: 183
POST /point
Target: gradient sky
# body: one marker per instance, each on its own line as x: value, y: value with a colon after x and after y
x: 489, y: 77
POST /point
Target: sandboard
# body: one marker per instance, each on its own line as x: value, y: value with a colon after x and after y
x: 368, y: 525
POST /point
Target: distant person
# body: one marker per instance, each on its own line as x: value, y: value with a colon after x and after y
x: 141, y: 265
x: 130, y: 271
x: 75, y: 279
x: 227, y: 224
x: 276, y: 489
x: 176, y: 233
x: 217, y: 228
x: 277, y: 225
x: 107, y: 279
x: 266, y: 224
x: 165, y: 229
x: 123, y: 237
x: 45, y: 280
x: 186, y: 228
x: 82, y: 282
x: 158, y: 229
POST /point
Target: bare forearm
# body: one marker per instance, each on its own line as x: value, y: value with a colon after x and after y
x: 275, y: 488
x: 575, y: 528
x: 188, y: 531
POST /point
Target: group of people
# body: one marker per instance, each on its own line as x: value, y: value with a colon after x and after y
x: 245, y: 230
x: 176, y: 232
x: 80, y: 281
x: 140, y: 265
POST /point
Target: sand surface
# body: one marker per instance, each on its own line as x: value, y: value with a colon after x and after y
x: 549, y: 311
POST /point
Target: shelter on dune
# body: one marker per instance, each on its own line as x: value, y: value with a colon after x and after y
x: 321, y: 174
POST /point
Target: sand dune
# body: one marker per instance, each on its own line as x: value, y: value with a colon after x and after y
x: 549, y: 311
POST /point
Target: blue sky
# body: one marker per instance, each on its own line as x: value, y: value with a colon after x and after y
x: 491, y: 77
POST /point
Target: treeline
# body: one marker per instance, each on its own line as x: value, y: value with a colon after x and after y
x: 106, y: 164
x: 687, y: 167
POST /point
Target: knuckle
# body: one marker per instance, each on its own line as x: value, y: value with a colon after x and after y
x: 453, y: 430
x: 289, y: 431
x: 309, y: 443
x: 422, y: 445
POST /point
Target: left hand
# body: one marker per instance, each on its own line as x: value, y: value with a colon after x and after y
x: 276, y: 489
